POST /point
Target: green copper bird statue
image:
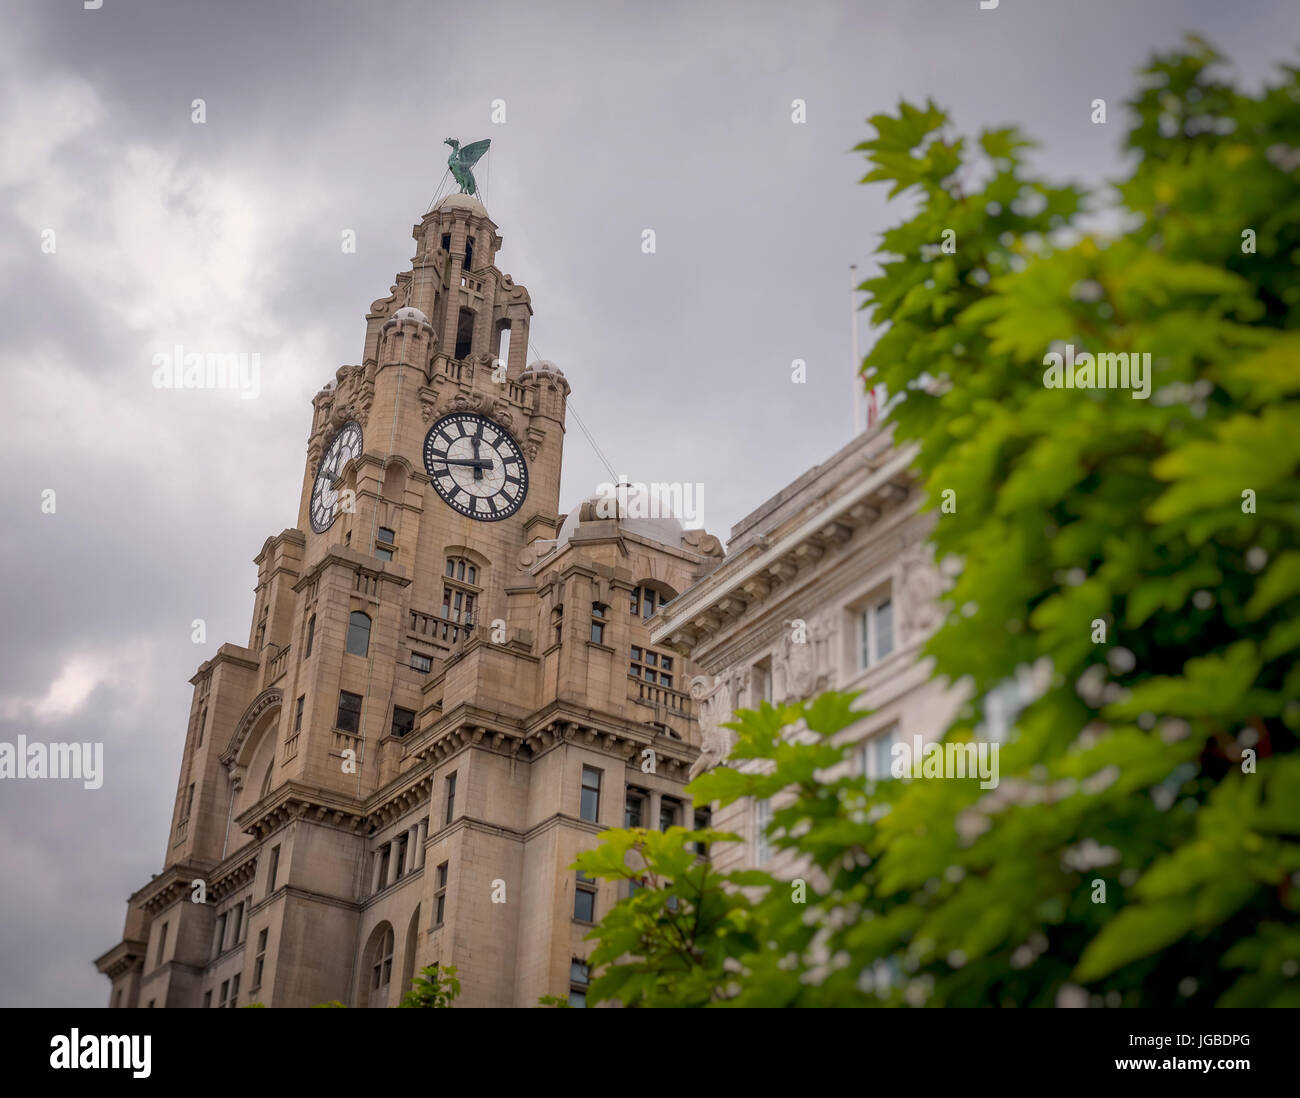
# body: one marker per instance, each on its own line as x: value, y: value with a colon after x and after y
x: 462, y: 160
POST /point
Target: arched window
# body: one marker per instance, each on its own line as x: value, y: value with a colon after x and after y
x: 460, y: 592
x: 381, y: 968
x: 408, y: 958
x: 359, y: 633
x: 650, y: 598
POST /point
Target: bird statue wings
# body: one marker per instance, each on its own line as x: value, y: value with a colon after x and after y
x: 462, y: 160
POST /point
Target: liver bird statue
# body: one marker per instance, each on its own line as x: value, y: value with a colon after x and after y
x: 462, y: 160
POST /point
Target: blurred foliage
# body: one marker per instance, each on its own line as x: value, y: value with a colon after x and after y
x: 434, y: 988
x: 1135, y: 766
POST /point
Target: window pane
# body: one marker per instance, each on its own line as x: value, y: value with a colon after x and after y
x: 384, y: 554
x: 598, y: 632
x: 636, y: 652
x: 578, y: 999
x: 349, y: 715
x: 884, y: 629
x: 577, y: 973
x: 865, y: 626
x: 473, y: 574
x: 651, y: 658
x: 358, y: 633
x: 385, y: 535
x: 584, y: 905
x: 666, y: 663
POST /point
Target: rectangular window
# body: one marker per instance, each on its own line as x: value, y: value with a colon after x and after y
x: 311, y: 636
x: 234, y: 991
x: 651, y: 666
x: 273, y: 870
x: 237, y: 923
x: 189, y: 801
x: 349, y: 716
x: 598, y: 622
x: 440, y: 897
x: 297, y: 713
x: 220, y: 942
x: 162, y: 942
x: 634, y: 809
x: 703, y: 821
x: 403, y: 721
x: 878, y: 754
x: 451, y: 799
x: 584, y: 901
x: 225, y: 989
x: 667, y: 813
x: 762, y: 818
x: 876, y: 630
x: 203, y: 723
x: 421, y: 663
x: 762, y: 682
x: 590, y: 806
x: 259, y: 965
x: 579, y: 980
x: 382, y: 553
x: 207, y: 998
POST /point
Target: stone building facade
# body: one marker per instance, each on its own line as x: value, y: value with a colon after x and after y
x: 829, y: 585
x: 447, y: 692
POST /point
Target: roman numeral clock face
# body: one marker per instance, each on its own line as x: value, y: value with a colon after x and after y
x: 475, y: 466
x: 343, y: 447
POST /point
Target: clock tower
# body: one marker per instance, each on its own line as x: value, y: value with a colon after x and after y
x: 447, y: 692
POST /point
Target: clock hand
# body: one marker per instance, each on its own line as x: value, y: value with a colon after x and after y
x: 478, y: 469
x: 477, y: 463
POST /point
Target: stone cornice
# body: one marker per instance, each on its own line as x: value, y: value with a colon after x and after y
x: 227, y: 653
x: 123, y: 957
x: 726, y: 594
x: 355, y: 562
x: 167, y: 887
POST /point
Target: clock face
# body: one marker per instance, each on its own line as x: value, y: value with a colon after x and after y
x: 475, y: 466
x: 343, y: 447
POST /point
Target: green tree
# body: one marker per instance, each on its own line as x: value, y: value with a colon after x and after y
x: 434, y: 988
x: 1161, y: 760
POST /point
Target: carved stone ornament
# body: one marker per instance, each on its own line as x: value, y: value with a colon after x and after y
x: 712, y: 697
x: 920, y: 588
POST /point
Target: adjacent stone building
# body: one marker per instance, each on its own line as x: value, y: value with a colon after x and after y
x: 448, y: 689
x: 829, y: 585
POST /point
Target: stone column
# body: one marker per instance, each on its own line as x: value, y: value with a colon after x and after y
x: 392, y: 861
x: 652, y: 807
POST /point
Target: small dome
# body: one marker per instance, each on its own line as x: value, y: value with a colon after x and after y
x: 639, y: 518
x: 461, y: 202
x: 409, y: 312
x: 544, y: 366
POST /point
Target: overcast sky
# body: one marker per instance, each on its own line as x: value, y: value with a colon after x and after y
x: 325, y: 116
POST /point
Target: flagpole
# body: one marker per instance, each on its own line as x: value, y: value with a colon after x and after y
x: 855, y: 376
